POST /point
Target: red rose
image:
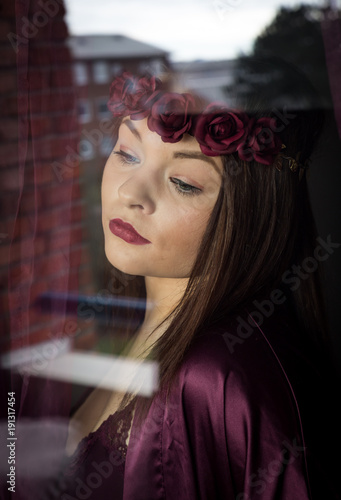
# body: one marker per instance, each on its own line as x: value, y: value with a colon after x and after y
x: 132, y: 96
x: 220, y: 131
x: 115, y: 103
x: 262, y: 143
x: 171, y: 116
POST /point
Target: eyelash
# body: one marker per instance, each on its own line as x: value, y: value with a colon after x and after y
x: 192, y: 191
x: 181, y: 187
x: 125, y: 158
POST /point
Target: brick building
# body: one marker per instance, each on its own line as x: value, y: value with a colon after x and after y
x: 43, y: 242
x: 97, y: 59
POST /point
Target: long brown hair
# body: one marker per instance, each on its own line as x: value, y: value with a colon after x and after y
x: 261, y: 225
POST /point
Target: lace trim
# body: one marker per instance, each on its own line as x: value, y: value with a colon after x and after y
x: 112, y: 433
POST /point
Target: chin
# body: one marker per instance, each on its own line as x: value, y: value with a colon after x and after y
x: 123, y: 265
x: 137, y: 265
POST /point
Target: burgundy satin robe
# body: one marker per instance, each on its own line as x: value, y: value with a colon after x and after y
x: 247, y: 419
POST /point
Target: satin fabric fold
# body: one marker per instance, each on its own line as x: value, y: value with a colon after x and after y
x: 237, y: 425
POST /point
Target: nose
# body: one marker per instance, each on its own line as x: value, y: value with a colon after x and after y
x: 139, y: 191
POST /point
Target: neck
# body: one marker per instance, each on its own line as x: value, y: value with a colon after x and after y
x: 163, y: 295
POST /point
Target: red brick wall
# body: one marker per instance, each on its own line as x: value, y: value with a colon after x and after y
x: 43, y: 244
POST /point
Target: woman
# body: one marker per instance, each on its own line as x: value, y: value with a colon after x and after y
x: 209, y: 209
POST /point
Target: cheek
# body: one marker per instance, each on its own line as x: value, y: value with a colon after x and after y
x: 195, y: 231
x: 189, y: 238
x: 194, y: 219
x: 201, y: 206
x: 184, y: 232
x: 206, y: 201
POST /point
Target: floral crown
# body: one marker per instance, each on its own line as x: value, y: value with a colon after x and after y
x: 218, y: 130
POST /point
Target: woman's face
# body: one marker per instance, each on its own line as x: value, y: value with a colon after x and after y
x: 163, y: 191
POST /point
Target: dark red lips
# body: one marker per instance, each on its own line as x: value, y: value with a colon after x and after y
x: 126, y: 232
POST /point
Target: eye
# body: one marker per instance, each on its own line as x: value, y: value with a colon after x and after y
x: 184, y: 188
x: 126, y: 158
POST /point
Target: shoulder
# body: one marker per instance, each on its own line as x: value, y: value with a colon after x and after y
x: 231, y: 426
x: 238, y: 361
x: 234, y: 412
x: 244, y: 393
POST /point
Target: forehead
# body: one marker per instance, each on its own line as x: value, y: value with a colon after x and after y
x: 139, y: 128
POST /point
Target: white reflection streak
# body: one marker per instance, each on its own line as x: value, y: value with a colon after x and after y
x: 116, y: 373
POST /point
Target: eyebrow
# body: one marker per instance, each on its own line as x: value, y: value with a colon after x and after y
x: 132, y: 129
x: 194, y: 155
